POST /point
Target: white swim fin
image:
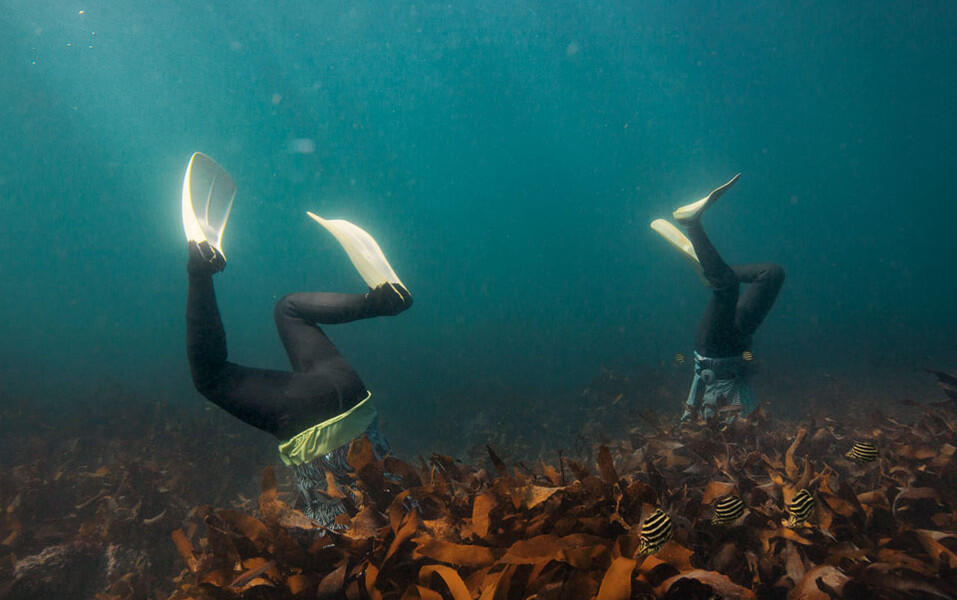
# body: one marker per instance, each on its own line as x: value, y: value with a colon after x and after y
x: 681, y: 242
x: 363, y: 251
x: 208, y: 194
x: 690, y: 213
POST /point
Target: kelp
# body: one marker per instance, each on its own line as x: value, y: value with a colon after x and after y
x: 446, y: 529
x: 947, y: 382
x: 88, y: 500
x: 146, y: 506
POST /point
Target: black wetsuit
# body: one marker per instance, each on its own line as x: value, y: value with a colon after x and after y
x: 731, y: 318
x: 321, y: 384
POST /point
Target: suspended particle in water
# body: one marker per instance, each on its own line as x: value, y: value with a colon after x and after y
x: 92, y: 38
x: 301, y: 146
x: 81, y: 12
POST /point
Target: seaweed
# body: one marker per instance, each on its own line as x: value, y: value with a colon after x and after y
x: 130, y: 503
x: 884, y: 529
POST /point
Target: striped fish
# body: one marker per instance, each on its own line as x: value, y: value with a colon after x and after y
x: 800, y: 507
x: 655, y: 531
x: 747, y: 355
x: 727, y: 509
x: 863, y: 452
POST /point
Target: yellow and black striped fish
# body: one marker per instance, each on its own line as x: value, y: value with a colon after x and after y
x: 747, y: 355
x: 799, y: 509
x: 679, y: 359
x: 655, y: 531
x: 727, y: 509
x: 863, y: 452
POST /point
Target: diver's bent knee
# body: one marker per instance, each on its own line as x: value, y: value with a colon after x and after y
x: 209, y: 381
x: 284, y: 306
x: 775, y: 273
x: 206, y: 390
x: 206, y: 386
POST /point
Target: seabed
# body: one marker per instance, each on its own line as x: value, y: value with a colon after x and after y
x: 106, y: 507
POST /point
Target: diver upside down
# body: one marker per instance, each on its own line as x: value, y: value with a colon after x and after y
x: 723, y: 357
x: 315, y: 409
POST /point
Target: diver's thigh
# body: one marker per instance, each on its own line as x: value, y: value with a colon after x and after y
x: 717, y: 332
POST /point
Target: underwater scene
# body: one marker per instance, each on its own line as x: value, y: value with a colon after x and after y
x: 478, y: 300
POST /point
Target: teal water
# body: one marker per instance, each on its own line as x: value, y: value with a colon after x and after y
x: 508, y: 157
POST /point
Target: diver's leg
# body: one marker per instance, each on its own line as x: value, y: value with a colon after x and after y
x: 297, y: 316
x: 252, y: 395
x: 281, y: 402
x: 716, y: 334
x: 756, y: 301
x: 205, y: 337
x: 278, y: 402
x: 715, y: 270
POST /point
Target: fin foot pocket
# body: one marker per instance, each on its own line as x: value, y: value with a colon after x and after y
x: 388, y: 299
x: 204, y: 259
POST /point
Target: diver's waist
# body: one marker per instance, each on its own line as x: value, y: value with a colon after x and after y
x: 723, y: 367
x: 330, y: 434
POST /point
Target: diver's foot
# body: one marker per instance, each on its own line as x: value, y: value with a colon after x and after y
x: 691, y: 213
x: 388, y: 299
x: 204, y: 259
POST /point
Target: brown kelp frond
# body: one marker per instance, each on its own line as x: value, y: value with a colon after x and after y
x: 621, y: 527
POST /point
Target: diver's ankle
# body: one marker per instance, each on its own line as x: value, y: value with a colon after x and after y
x: 204, y: 259
x: 387, y: 299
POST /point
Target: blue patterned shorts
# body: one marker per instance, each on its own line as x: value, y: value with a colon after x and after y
x: 311, y: 479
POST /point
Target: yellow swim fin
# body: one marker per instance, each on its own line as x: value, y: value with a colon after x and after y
x: 208, y: 194
x: 366, y: 255
x: 690, y: 213
x: 680, y: 241
x: 676, y: 239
